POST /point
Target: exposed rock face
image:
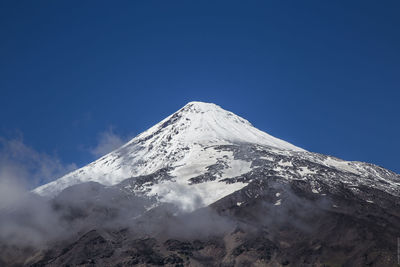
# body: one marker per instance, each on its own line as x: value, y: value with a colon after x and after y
x: 205, y: 188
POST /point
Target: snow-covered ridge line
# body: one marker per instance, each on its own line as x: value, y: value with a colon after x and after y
x: 206, y: 153
x: 169, y: 143
x: 209, y: 123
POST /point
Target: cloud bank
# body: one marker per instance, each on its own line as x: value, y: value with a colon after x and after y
x: 25, y: 217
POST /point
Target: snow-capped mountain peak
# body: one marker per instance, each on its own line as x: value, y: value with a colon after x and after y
x: 179, y: 141
x: 202, y: 153
x: 207, y: 123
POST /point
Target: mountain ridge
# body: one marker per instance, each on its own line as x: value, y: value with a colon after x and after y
x: 198, y: 151
x: 197, y: 123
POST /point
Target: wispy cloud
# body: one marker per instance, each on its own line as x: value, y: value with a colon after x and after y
x: 107, y: 142
x: 23, y: 164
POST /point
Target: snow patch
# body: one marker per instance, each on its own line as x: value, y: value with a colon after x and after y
x: 303, y: 171
x: 191, y: 197
x: 285, y: 163
x: 315, y: 191
x: 340, y: 165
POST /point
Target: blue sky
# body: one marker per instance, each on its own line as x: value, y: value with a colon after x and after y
x: 323, y: 75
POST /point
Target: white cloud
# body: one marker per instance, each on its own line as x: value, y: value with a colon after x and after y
x: 21, y: 164
x: 107, y: 142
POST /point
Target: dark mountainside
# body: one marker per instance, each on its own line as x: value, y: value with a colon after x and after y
x: 295, y: 208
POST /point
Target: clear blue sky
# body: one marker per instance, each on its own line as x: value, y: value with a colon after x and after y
x: 323, y: 75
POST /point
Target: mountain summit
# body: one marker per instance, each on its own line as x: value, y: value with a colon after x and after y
x: 198, y: 155
x: 181, y: 139
x: 201, y: 153
x: 206, y: 123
